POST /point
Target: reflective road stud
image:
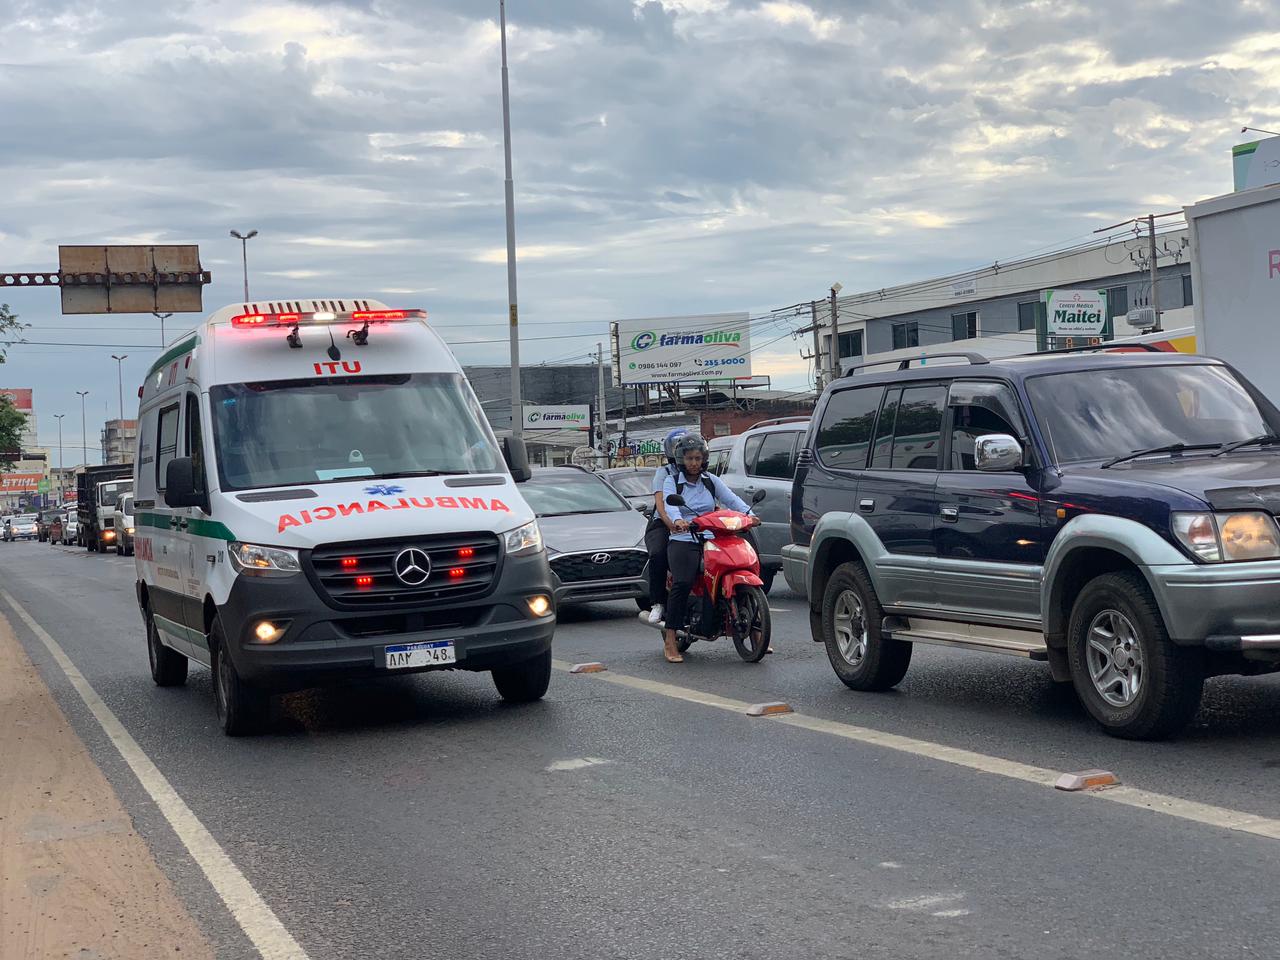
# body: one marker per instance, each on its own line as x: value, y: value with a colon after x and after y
x: 768, y: 709
x: 588, y: 668
x: 1086, y: 780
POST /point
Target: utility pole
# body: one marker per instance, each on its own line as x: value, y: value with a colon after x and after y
x: 84, y: 430
x: 162, y: 317
x: 1155, y: 291
x: 244, y: 239
x: 120, y: 379
x: 58, y: 417
x: 517, y: 417
x: 600, y: 405
x: 817, y: 346
x: 835, y: 333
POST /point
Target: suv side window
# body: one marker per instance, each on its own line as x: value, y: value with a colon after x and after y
x: 717, y: 460
x: 777, y: 456
x: 844, y: 435
x: 166, y: 443
x: 980, y: 408
x: 751, y: 451
x: 917, y: 437
x: 884, y: 429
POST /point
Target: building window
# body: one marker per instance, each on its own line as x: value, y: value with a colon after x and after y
x: 1117, y: 301
x: 964, y: 326
x: 1027, y: 315
x: 851, y: 344
x: 1187, y: 299
x: 906, y: 335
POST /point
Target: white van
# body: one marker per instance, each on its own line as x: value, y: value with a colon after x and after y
x: 319, y: 495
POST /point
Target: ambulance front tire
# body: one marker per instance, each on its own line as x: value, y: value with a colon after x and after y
x: 242, y: 708
x: 524, y: 682
x: 168, y: 668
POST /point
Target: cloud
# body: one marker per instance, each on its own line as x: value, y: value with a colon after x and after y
x: 670, y: 156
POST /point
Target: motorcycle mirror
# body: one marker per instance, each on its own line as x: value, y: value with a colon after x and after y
x: 675, y: 500
x: 758, y: 496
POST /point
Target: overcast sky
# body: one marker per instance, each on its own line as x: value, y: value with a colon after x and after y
x: 671, y: 156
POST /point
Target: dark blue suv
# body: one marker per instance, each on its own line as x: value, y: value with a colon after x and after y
x: 1110, y: 513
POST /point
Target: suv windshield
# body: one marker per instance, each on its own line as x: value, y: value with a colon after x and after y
x: 1099, y: 414
x: 632, y: 484
x: 284, y: 432
x: 559, y: 495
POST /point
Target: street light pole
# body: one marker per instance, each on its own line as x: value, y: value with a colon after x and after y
x: 244, y: 239
x: 162, y: 317
x: 517, y: 413
x: 84, y: 430
x: 120, y: 379
x: 58, y: 417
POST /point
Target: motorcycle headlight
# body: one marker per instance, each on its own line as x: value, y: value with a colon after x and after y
x: 524, y: 540
x: 255, y: 560
x: 1228, y: 537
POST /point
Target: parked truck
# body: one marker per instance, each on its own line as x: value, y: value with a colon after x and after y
x: 1235, y: 273
x: 98, y: 489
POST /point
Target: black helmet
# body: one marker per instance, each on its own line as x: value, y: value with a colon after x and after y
x: 688, y: 444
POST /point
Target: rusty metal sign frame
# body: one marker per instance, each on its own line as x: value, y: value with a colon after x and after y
x: 100, y: 279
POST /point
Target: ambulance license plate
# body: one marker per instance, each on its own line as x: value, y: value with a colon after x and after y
x: 402, y: 656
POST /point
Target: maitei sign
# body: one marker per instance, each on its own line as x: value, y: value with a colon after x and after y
x: 1075, y: 312
x: 557, y: 418
x: 712, y: 346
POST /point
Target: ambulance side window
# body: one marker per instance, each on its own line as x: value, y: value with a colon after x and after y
x: 166, y: 443
x: 195, y: 441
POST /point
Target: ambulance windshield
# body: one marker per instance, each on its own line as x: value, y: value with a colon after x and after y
x: 283, y: 432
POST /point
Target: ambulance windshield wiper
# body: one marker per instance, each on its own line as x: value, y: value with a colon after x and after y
x: 402, y: 474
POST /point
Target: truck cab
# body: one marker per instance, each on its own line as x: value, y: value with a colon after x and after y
x: 319, y: 496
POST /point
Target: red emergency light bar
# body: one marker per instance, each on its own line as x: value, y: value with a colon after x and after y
x: 295, y: 319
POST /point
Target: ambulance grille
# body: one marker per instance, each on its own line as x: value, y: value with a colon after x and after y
x: 362, y: 575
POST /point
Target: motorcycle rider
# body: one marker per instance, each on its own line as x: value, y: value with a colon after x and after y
x: 658, y: 533
x: 701, y: 492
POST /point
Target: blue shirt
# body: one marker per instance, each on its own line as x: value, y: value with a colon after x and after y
x: 699, y: 500
x: 660, y: 477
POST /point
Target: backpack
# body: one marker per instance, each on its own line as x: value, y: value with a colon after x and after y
x: 706, y: 482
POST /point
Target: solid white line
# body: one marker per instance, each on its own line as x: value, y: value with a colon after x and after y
x: 1203, y: 813
x: 259, y: 923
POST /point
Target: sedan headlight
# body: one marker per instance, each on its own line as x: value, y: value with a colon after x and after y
x: 1228, y: 537
x: 261, y: 561
x: 524, y: 540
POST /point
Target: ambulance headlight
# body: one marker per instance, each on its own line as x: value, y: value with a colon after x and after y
x: 524, y: 540
x: 263, y: 561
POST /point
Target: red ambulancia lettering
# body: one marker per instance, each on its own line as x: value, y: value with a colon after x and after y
x: 375, y: 505
x: 499, y: 505
x: 401, y: 504
x: 347, y: 509
x: 423, y: 503
x: 286, y: 521
x: 449, y: 502
x: 325, y: 513
x: 472, y: 503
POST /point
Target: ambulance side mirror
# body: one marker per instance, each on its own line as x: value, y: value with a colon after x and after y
x: 517, y: 456
x: 180, y: 484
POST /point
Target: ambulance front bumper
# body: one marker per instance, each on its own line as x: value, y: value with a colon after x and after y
x: 319, y: 642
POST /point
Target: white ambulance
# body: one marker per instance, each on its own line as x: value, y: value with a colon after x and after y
x: 318, y: 495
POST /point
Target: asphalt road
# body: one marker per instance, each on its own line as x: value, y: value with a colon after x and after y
x: 420, y: 817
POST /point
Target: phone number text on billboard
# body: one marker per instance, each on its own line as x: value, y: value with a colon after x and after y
x: 671, y: 349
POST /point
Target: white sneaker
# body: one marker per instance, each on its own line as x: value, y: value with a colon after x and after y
x: 655, y: 614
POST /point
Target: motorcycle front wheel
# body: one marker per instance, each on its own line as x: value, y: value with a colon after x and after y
x: 749, y: 620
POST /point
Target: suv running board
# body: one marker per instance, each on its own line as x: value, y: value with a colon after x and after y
x: 967, y: 636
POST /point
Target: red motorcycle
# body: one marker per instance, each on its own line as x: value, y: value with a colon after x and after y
x: 727, y: 599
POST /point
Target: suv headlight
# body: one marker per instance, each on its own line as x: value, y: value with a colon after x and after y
x: 524, y: 540
x: 1228, y: 537
x: 263, y: 561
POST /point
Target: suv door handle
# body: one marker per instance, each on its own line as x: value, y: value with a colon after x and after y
x: 866, y: 505
x: 950, y: 514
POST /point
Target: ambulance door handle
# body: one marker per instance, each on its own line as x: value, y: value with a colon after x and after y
x: 173, y: 523
x: 182, y: 524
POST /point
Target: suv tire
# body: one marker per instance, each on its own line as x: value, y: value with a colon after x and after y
x: 242, y: 709
x: 1146, y: 687
x: 168, y: 668
x: 524, y: 682
x: 862, y: 658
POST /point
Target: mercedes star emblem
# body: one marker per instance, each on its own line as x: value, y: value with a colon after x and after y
x: 412, y: 566
x: 600, y: 558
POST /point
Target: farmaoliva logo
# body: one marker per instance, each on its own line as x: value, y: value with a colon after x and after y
x: 643, y: 341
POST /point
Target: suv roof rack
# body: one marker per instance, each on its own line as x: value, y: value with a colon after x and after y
x: 777, y: 420
x: 904, y: 363
x: 1110, y: 345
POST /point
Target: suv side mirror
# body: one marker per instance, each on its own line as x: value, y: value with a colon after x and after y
x: 180, y: 484
x: 516, y: 454
x: 997, y: 453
